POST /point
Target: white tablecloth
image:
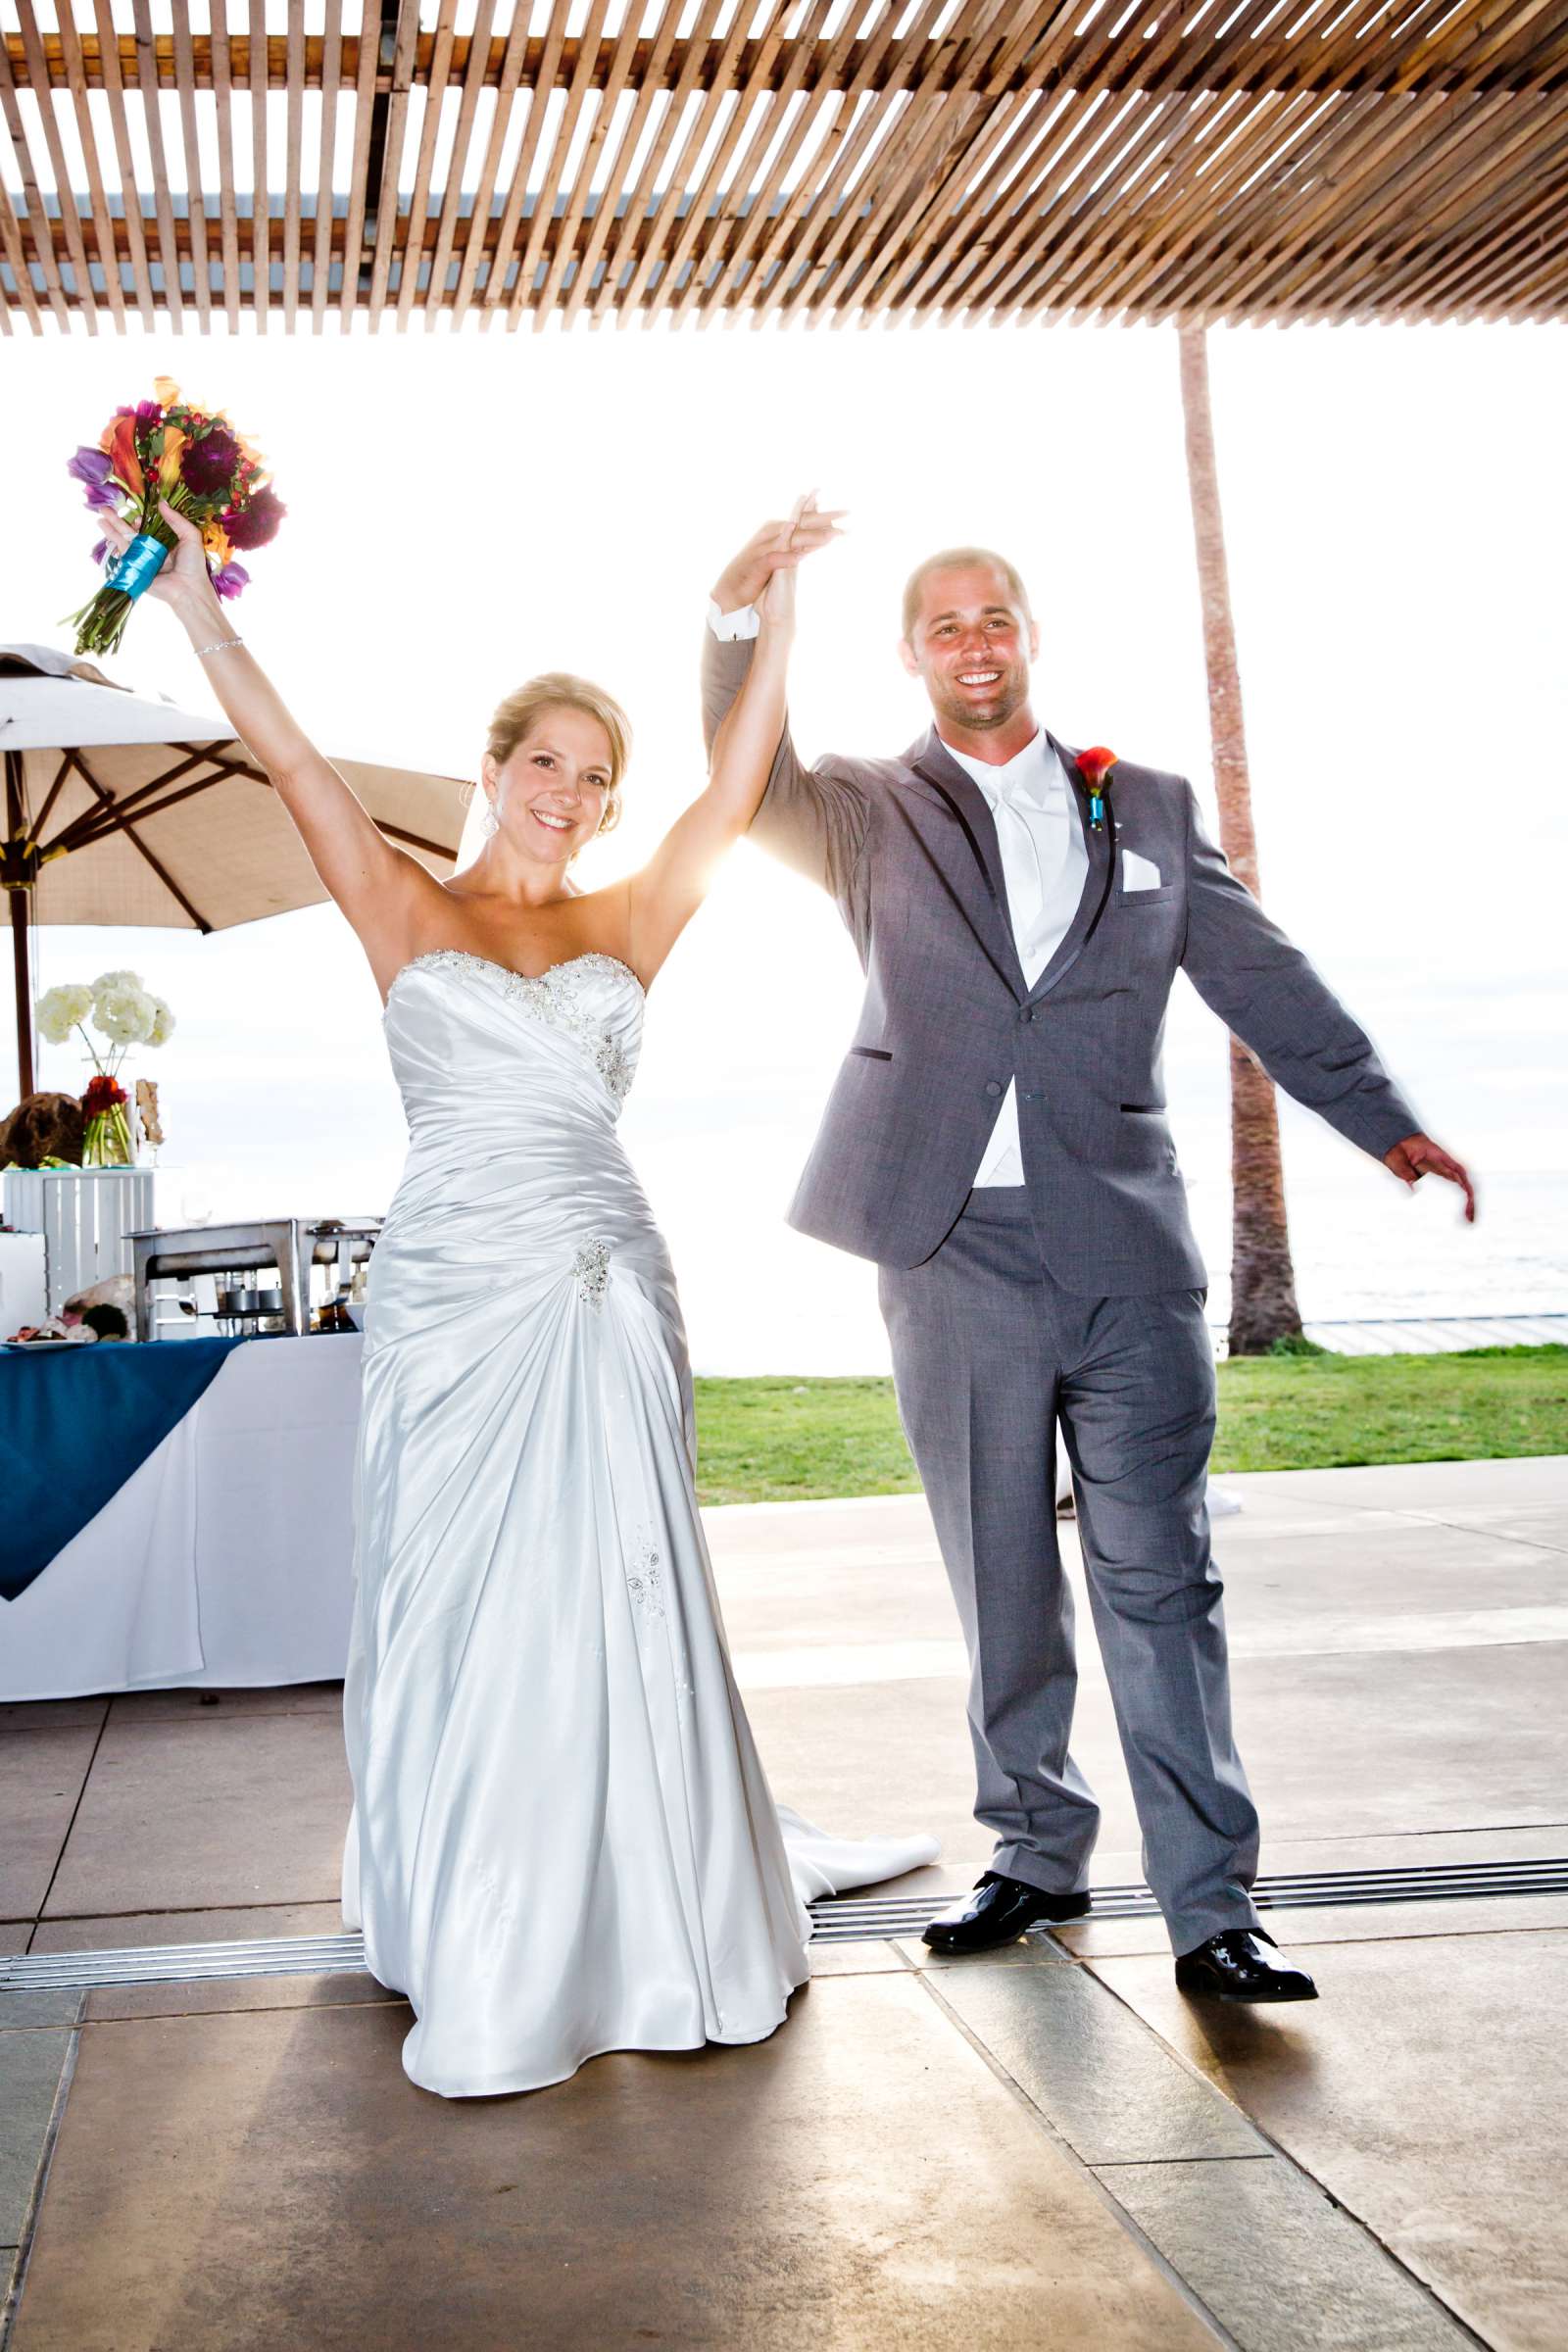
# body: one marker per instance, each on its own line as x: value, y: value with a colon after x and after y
x: 226, y: 1558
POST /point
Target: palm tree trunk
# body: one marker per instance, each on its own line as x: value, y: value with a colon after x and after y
x: 1263, y: 1305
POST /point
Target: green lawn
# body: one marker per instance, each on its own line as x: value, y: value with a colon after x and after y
x: 781, y: 1439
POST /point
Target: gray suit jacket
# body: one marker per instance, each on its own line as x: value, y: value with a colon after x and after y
x: 907, y: 849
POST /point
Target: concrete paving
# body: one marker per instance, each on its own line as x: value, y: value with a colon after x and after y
x: 1048, y: 2146
x: 1418, y: 2095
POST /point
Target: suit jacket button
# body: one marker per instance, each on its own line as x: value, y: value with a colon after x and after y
x: 993, y: 1088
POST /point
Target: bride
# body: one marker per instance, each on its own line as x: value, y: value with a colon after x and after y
x: 561, y: 1841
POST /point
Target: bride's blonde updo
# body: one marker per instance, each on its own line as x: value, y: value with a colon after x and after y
x: 515, y: 718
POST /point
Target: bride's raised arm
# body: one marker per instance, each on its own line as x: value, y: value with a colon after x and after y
x: 667, y: 892
x: 378, y: 886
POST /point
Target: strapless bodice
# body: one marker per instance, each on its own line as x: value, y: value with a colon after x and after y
x: 515, y: 1175
x: 479, y: 1048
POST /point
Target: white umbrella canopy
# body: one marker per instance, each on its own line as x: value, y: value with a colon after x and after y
x: 120, y: 809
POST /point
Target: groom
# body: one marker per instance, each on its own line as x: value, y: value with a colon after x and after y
x: 997, y: 1141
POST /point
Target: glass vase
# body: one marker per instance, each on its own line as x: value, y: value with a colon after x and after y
x: 107, y: 1141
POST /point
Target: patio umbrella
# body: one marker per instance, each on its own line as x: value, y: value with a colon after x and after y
x: 119, y: 810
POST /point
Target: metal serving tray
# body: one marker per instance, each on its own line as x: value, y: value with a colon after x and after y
x: 293, y: 1244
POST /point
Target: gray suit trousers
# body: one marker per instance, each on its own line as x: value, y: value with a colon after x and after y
x: 989, y: 1351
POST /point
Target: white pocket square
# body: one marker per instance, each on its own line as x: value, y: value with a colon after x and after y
x: 1137, y: 874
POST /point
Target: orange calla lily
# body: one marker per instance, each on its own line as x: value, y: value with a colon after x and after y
x: 168, y: 463
x: 166, y: 390
x: 120, y: 446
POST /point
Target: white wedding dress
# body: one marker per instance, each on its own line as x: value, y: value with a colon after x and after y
x: 562, y: 1840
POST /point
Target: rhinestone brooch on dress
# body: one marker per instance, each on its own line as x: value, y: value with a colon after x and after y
x: 590, y: 1267
x: 551, y: 997
x: 644, y: 1581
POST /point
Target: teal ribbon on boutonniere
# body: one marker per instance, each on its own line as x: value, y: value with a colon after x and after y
x: 1095, y: 767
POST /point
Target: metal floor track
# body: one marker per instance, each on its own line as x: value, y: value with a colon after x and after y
x: 850, y: 1919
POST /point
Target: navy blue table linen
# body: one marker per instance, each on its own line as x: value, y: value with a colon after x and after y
x: 74, y: 1424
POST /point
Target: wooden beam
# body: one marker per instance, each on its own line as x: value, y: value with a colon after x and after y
x: 163, y: 211
x: 97, y: 198
x: 366, y: 49
x: 261, y: 239
x: 481, y: 212
x: 386, y: 168
x: 22, y: 296
x: 129, y: 189
x: 325, y: 199
x: 1520, y: 65
x: 228, y: 209
x: 40, y: 230
x: 611, y: 197
x: 293, y: 158
x: 452, y: 197
x: 190, y: 138
x: 412, y: 241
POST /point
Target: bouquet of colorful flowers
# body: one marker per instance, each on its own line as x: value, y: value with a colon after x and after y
x: 164, y: 449
x: 125, y: 1012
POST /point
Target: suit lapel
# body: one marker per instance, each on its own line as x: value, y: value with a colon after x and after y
x: 1102, y: 849
x: 977, y: 875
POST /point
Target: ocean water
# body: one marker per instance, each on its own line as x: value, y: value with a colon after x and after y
x: 760, y: 1298
x: 272, y: 1111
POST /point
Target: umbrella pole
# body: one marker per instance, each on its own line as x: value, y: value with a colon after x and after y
x: 21, y: 914
x: 20, y: 910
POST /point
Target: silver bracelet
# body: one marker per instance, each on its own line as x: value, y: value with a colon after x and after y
x: 222, y: 647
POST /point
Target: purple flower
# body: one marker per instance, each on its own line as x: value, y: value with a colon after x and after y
x: 100, y: 551
x: 232, y: 579
x: 208, y: 466
x: 89, y: 465
x: 148, y: 411
x: 93, y: 467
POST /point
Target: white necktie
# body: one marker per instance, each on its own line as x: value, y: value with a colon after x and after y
x: 1020, y: 823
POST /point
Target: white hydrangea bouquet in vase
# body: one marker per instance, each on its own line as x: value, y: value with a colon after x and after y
x: 124, y: 1010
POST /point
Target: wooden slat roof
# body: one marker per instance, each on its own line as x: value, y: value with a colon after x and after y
x: 825, y: 159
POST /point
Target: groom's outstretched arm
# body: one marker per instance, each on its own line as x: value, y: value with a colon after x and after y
x: 811, y: 818
x: 1264, y: 989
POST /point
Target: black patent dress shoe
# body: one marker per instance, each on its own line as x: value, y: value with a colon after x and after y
x: 1235, y: 1966
x: 997, y: 1911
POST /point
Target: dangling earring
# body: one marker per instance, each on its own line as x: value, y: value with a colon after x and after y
x: 489, y: 823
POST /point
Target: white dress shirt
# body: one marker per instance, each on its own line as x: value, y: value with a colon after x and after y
x: 727, y: 626
x: 1044, y: 865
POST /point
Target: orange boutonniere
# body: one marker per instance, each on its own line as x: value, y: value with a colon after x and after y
x: 1095, y: 767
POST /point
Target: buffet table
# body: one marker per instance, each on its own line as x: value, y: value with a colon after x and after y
x: 226, y: 1557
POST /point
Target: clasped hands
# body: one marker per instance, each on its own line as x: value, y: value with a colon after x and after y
x: 763, y: 574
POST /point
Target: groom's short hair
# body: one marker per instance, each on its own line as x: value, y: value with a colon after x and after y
x: 962, y: 559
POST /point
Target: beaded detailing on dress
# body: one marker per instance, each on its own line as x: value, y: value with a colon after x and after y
x: 590, y: 1267
x: 644, y: 1581
x: 552, y: 996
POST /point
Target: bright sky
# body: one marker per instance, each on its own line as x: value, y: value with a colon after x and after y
x: 467, y: 511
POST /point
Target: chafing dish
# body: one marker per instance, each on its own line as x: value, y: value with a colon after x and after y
x: 291, y: 1248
